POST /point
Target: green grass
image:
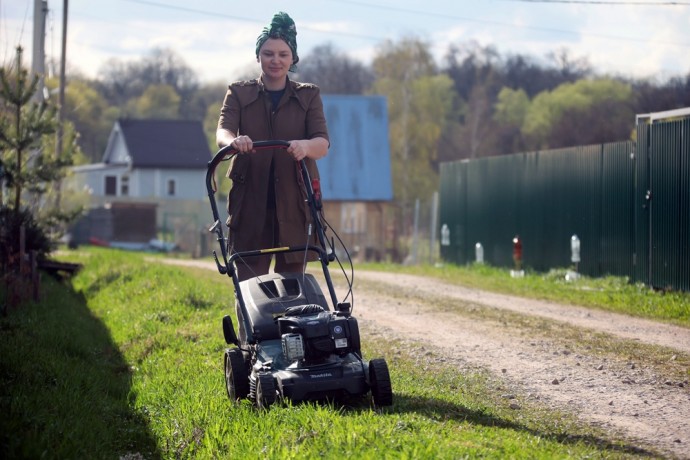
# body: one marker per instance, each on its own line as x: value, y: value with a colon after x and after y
x: 128, y: 363
x: 609, y: 293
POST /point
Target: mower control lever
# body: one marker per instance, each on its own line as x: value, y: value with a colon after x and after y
x: 221, y: 269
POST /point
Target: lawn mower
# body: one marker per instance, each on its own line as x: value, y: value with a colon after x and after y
x: 293, y: 342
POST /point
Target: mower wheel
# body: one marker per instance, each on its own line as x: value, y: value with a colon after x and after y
x: 265, y: 390
x: 236, y: 378
x: 380, y: 383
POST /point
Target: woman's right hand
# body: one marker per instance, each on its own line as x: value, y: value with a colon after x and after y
x: 243, y: 144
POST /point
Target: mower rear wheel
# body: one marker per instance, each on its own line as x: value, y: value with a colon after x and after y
x: 265, y: 390
x: 236, y: 378
x: 380, y: 383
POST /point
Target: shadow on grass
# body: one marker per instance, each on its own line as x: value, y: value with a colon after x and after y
x: 65, y: 388
x: 444, y: 410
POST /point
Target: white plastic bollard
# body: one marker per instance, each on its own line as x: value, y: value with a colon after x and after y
x: 574, y: 258
x: 479, y: 253
x: 445, y: 235
x: 574, y: 249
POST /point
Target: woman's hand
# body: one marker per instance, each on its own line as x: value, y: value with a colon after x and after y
x: 298, y: 150
x: 243, y: 144
x: 308, y: 148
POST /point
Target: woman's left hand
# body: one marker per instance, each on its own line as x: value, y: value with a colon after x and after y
x: 298, y: 149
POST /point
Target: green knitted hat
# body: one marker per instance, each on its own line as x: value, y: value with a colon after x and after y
x: 282, y: 26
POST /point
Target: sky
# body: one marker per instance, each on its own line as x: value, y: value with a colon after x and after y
x: 216, y: 38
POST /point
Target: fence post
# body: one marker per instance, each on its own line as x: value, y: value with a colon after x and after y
x: 35, y: 276
x: 22, y: 246
x: 434, y: 212
x: 415, y: 232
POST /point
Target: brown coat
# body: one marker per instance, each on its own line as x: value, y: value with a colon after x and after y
x: 247, y: 111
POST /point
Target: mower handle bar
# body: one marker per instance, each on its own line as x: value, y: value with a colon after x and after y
x: 228, y: 152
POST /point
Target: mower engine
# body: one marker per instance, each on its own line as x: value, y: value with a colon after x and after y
x: 311, y: 334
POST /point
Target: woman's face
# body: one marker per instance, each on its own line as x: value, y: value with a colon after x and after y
x: 275, y: 57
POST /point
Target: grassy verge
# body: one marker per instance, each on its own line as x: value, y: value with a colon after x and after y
x: 609, y: 293
x: 65, y: 387
x: 129, y: 364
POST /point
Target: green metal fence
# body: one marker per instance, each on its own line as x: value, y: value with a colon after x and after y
x: 628, y: 204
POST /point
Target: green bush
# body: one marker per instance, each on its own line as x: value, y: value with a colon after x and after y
x: 36, y: 237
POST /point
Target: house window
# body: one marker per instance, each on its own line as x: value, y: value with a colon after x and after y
x: 110, y: 185
x: 124, y: 185
x: 171, y: 187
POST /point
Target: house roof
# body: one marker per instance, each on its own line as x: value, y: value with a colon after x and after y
x: 358, y: 164
x: 165, y: 143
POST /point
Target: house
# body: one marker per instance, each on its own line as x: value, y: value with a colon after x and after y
x: 154, y: 165
x: 160, y: 165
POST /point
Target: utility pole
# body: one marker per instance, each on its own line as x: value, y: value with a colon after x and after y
x: 61, y: 97
x: 38, y: 61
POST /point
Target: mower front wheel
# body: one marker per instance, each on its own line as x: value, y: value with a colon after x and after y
x: 236, y: 378
x: 380, y: 383
x: 265, y: 390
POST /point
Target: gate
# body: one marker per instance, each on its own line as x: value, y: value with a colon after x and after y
x: 662, y: 200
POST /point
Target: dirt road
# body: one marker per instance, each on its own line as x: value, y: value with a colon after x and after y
x: 629, y: 398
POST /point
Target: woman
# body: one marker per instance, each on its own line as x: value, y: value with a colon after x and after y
x: 266, y: 205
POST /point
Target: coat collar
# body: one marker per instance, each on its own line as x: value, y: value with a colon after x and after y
x: 253, y: 89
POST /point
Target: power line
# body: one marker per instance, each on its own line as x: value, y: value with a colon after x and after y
x: 240, y: 18
x: 504, y: 24
x: 5, y: 28
x: 598, y: 2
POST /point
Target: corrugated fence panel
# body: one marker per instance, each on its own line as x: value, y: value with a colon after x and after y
x: 560, y: 193
x: 617, y: 195
x: 544, y: 235
x: 491, y: 207
x: 589, y: 215
x: 663, y: 203
x: 453, y: 211
x: 479, y: 207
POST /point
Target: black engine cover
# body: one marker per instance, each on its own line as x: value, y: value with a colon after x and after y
x: 324, y: 332
x: 268, y: 296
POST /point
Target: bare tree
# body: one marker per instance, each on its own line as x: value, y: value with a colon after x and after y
x: 122, y: 81
x: 334, y: 71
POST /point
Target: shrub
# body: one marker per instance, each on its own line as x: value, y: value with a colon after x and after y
x: 36, y: 237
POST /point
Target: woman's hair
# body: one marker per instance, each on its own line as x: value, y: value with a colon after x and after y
x: 282, y: 26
